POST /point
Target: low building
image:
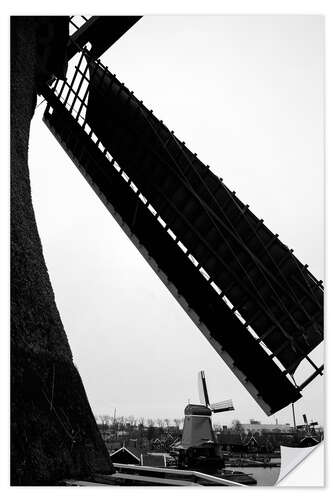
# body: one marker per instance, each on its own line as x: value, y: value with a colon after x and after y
x: 113, y: 446
x: 258, y: 427
x: 122, y: 433
x: 154, y: 460
x: 230, y: 442
x: 127, y: 455
x: 307, y: 441
x: 250, y: 445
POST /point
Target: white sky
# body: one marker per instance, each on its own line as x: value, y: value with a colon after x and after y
x: 246, y: 94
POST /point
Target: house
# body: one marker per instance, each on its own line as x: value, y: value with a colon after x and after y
x: 144, y: 443
x: 127, y: 455
x: 154, y: 460
x: 256, y: 426
x: 273, y: 440
x: 176, y: 443
x: 113, y: 446
x: 251, y: 445
x: 230, y: 442
x: 122, y: 433
x: 157, y: 444
x: 308, y: 441
x: 133, y: 443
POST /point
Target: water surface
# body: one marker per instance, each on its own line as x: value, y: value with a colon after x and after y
x: 265, y: 476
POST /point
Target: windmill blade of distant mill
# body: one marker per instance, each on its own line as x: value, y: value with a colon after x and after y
x: 222, y: 406
x: 203, y: 392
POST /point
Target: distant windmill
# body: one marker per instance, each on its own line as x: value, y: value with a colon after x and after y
x: 198, y: 448
x: 307, y: 427
x: 310, y: 437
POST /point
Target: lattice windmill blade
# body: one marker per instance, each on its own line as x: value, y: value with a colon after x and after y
x: 255, y: 302
x: 222, y: 406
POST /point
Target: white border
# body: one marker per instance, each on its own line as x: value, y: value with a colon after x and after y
x: 17, y: 7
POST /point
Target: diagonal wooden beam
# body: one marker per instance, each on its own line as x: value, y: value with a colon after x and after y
x: 101, y: 32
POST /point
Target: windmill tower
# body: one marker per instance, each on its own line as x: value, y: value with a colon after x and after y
x: 198, y: 448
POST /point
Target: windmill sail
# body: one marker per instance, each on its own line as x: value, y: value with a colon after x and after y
x: 203, y: 391
x: 204, y: 398
x: 259, y: 275
x: 254, y: 301
x: 222, y: 406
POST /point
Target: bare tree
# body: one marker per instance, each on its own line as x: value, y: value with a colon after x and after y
x: 141, y: 421
x: 121, y: 422
x: 105, y: 424
x: 237, y: 427
x: 151, y: 433
x: 105, y: 420
x: 177, y: 422
x: 131, y: 420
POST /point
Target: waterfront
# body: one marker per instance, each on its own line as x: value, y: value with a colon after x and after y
x: 265, y: 476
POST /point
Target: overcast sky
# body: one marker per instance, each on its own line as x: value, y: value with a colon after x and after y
x: 246, y: 94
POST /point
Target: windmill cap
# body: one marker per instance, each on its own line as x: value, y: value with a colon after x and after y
x: 197, y: 410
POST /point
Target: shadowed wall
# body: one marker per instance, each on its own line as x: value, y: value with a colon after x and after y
x: 53, y: 432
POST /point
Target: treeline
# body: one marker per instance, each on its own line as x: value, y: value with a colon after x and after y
x: 121, y: 422
x: 145, y: 433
